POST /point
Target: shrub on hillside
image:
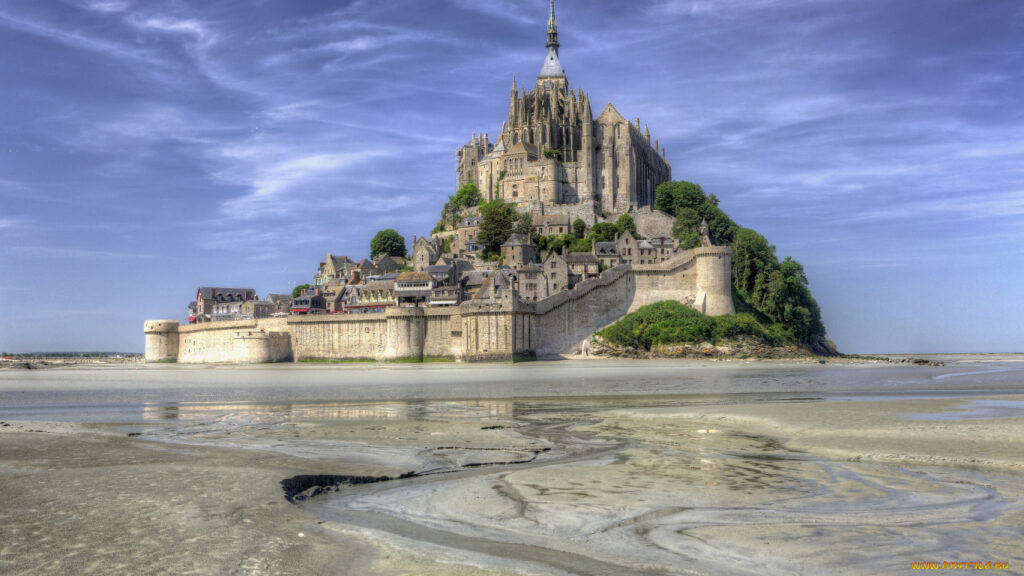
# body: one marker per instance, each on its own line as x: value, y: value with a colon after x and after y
x: 671, y: 322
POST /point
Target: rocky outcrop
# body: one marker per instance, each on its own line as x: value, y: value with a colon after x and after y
x: 739, y: 348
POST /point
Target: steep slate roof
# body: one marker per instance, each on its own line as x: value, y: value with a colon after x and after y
x: 517, y: 240
x: 471, y: 222
x: 378, y: 285
x: 605, y: 248
x: 414, y: 277
x: 339, y: 261
x: 475, y: 277
x: 580, y: 258
x: 209, y: 292
x: 275, y: 298
x: 531, y: 267
x: 645, y: 245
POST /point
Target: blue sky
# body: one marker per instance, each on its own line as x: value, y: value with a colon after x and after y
x: 147, y: 148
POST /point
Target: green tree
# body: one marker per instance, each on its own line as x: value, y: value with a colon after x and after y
x: 579, y: 228
x: 671, y: 196
x: 298, y: 290
x: 497, y: 222
x: 722, y: 228
x: 467, y: 196
x: 555, y: 243
x: 625, y: 222
x: 524, y: 225
x: 690, y: 241
x: 581, y: 245
x: 603, y: 232
x: 388, y: 242
x: 687, y: 222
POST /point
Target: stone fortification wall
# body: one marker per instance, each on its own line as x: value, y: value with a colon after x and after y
x: 241, y: 342
x: 701, y: 278
x: 474, y: 331
x: 564, y: 321
x: 339, y: 336
x: 443, y: 337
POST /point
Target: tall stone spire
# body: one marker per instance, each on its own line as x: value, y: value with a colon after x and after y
x: 552, y: 28
x: 552, y: 67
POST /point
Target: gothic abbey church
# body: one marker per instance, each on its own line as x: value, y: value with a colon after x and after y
x: 553, y: 157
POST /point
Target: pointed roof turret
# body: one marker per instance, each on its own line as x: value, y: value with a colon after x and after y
x: 552, y: 28
x: 552, y: 67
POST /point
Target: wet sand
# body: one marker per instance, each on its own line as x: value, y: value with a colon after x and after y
x: 679, y: 468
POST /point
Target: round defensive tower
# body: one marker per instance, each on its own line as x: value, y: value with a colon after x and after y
x: 714, y: 279
x: 161, y: 340
x: 252, y: 347
x: 406, y: 328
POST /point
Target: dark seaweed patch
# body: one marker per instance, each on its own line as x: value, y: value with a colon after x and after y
x: 306, y: 486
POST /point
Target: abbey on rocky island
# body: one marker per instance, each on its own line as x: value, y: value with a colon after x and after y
x: 453, y: 300
x: 553, y: 157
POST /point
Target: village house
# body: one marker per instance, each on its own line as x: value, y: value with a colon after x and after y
x: 657, y: 249
x: 412, y: 289
x: 582, y: 266
x: 333, y: 268
x: 374, y: 296
x: 448, y: 295
x: 335, y: 297
x: 556, y: 272
x: 385, y: 264
x: 626, y: 246
x: 227, y: 311
x: 532, y: 284
x: 606, y: 253
x: 551, y: 224
x: 201, y: 310
x: 282, y: 304
x: 472, y: 281
x: 256, y: 309
x: 518, y: 251
x: 425, y: 252
x: 466, y: 236
x: 310, y: 302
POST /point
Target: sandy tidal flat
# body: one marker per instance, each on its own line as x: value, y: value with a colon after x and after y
x: 838, y: 470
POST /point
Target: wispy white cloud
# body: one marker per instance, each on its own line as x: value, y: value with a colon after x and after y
x: 104, y: 6
x: 521, y: 11
x: 192, y: 28
x: 78, y: 40
x: 280, y: 183
x: 8, y: 224
x: 75, y: 253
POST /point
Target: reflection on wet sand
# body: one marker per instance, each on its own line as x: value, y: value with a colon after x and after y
x: 323, y: 412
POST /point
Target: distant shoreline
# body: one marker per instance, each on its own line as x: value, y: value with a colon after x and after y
x: 934, y: 359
